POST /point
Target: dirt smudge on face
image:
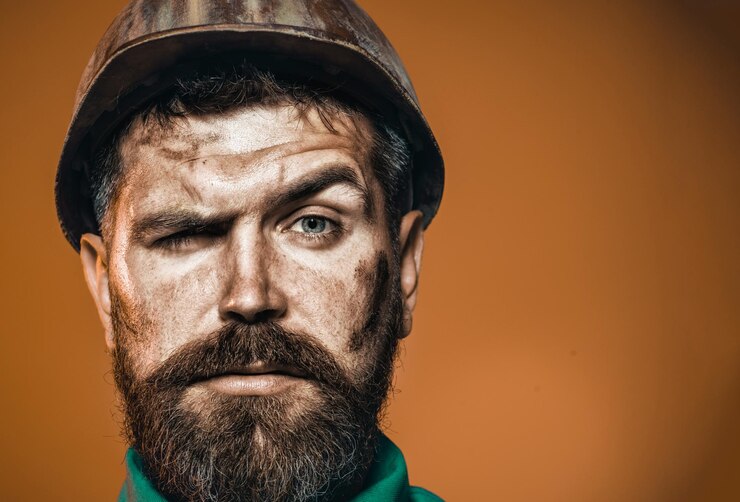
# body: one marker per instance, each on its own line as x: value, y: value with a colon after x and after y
x: 377, y: 280
x: 175, y: 139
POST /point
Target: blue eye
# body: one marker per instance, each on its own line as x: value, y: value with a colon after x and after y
x: 315, y: 231
x: 313, y: 224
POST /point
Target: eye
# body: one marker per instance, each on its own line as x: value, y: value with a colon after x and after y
x: 314, y: 227
x: 313, y: 224
x: 175, y: 241
x: 190, y: 237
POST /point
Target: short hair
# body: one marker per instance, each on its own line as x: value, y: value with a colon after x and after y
x: 221, y: 88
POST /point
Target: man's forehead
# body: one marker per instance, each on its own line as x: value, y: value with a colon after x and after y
x: 246, y: 130
x: 211, y: 158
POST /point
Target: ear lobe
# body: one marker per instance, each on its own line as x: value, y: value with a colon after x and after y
x: 411, y: 240
x: 93, y: 256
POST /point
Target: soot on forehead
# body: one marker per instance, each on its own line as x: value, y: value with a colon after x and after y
x: 175, y: 139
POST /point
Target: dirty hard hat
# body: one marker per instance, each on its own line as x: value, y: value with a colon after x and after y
x: 152, y: 41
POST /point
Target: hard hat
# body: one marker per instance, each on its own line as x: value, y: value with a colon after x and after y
x: 152, y: 41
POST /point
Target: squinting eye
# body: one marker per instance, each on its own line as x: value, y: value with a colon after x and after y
x: 313, y: 224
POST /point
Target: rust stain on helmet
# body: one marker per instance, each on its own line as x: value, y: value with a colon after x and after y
x: 321, y: 38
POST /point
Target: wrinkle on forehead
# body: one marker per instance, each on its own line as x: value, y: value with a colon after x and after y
x: 184, y: 138
x: 224, y: 180
x: 230, y: 143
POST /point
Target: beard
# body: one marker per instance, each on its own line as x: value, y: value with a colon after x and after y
x: 283, y: 446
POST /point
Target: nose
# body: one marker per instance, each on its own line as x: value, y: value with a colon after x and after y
x: 250, y: 293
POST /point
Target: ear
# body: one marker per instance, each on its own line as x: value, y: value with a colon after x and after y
x: 95, y: 267
x: 411, y: 240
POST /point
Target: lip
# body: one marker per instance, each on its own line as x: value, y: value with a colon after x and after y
x: 258, y: 379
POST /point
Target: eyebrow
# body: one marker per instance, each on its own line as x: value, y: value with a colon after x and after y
x: 301, y: 189
x: 177, y: 219
x: 311, y: 185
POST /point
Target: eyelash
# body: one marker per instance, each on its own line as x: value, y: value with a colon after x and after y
x: 183, y: 238
x: 174, y: 242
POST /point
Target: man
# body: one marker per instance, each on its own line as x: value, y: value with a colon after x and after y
x: 248, y: 187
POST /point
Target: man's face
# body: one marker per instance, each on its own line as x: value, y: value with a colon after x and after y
x: 250, y: 290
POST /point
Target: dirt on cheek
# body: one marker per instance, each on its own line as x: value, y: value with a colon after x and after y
x: 374, y: 278
x: 129, y: 327
x: 138, y: 305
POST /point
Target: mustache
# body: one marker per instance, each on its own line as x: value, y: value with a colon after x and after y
x: 238, y: 345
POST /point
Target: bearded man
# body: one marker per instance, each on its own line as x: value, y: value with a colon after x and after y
x: 248, y: 187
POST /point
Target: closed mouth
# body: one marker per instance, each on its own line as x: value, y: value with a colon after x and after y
x: 253, y: 379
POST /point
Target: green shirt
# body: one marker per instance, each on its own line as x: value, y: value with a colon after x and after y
x: 387, y: 481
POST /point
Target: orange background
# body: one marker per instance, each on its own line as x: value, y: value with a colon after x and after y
x: 578, y: 332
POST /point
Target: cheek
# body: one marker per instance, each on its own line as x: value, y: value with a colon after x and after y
x: 328, y: 296
x: 173, y: 302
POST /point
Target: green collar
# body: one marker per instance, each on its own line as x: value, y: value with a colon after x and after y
x: 387, y: 480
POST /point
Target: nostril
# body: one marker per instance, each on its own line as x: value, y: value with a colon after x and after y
x: 265, y: 315
x: 257, y: 317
